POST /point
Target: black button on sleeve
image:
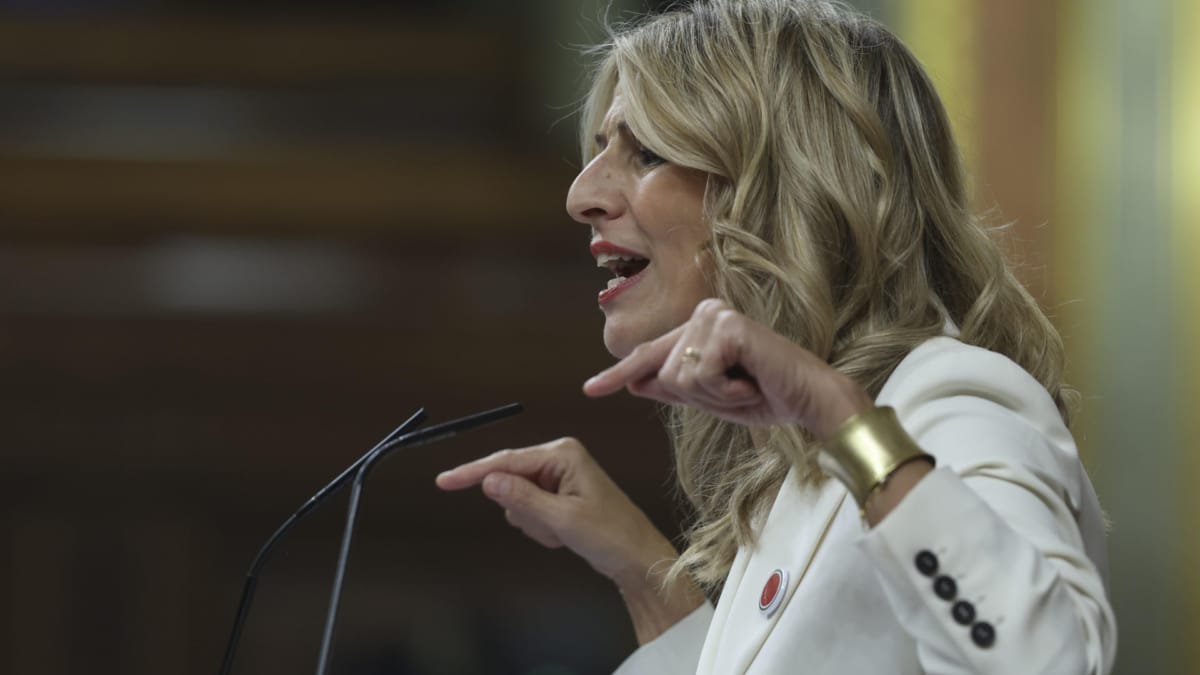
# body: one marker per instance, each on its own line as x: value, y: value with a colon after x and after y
x: 927, y: 563
x: 945, y: 588
x: 963, y: 612
x: 982, y: 634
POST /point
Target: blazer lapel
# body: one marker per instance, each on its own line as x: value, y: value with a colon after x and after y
x: 788, y: 540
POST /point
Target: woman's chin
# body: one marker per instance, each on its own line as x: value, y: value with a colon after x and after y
x: 618, y: 340
x: 623, y: 334
x: 616, y: 347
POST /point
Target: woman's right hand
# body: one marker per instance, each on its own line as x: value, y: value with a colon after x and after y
x: 558, y: 495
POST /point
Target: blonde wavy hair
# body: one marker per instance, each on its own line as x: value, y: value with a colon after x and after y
x: 839, y: 215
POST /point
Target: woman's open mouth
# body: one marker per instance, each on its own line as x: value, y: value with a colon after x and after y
x: 627, y: 269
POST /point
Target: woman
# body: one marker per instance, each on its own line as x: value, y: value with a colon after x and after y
x: 774, y: 185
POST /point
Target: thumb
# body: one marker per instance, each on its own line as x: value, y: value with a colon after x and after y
x: 520, y: 496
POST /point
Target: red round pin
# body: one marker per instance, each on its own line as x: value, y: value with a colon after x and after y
x: 773, y: 592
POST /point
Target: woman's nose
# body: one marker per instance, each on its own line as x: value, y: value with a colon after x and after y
x: 593, y: 196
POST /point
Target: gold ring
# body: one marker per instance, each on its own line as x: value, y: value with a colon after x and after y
x: 691, y: 355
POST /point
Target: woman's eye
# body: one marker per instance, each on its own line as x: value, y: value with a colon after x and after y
x: 648, y: 158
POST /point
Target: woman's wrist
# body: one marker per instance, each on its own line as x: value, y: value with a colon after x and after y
x: 888, y: 496
x: 653, y: 605
x: 654, y: 609
x: 843, y: 399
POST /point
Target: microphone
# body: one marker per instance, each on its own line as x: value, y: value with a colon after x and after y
x: 422, y: 437
x: 403, y: 436
x: 313, y: 502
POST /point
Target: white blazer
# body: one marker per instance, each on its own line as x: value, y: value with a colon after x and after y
x: 1009, y: 516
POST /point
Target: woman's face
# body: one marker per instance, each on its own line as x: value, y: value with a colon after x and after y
x: 647, y: 229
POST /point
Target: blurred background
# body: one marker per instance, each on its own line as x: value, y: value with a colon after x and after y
x: 241, y: 241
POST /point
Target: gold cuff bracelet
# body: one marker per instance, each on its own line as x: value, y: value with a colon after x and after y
x: 866, y: 450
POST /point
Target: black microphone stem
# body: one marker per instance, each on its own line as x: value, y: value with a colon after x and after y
x: 430, y: 435
x: 313, y: 502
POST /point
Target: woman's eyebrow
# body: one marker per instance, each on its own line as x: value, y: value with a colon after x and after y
x: 622, y: 130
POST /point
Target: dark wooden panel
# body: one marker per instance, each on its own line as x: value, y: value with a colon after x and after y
x: 151, y: 444
x: 416, y: 191
x: 247, y: 50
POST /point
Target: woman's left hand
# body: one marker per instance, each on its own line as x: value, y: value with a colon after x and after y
x: 724, y: 363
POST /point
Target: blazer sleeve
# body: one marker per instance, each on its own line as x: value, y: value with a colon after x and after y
x: 676, y: 651
x: 995, y: 561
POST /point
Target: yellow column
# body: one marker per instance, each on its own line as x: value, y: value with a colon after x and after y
x: 943, y: 35
x: 1185, y: 236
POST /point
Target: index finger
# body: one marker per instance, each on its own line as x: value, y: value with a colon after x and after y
x: 522, y: 462
x: 646, y: 360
